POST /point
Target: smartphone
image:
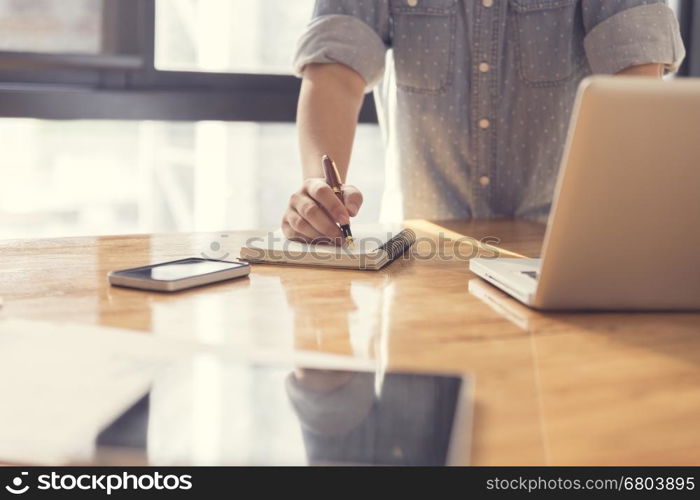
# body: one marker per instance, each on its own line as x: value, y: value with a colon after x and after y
x: 179, y: 274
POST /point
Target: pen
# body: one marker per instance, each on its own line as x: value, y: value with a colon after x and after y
x: 330, y: 172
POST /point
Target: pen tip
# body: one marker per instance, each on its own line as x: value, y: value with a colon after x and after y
x: 350, y: 243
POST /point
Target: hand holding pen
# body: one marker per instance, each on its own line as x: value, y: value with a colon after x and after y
x: 332, y: 176
x: 316, y: 212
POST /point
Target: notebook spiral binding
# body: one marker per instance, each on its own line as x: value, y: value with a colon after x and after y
x: 397, y: 245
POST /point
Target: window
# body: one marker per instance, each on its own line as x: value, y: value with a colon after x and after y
x: 141, y: 120
x: 116, y: 177
x: 72, y: 26
x: 689, y: 14
x: 229, y: 35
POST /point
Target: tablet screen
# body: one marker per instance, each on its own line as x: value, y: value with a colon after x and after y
x: 210, y: 412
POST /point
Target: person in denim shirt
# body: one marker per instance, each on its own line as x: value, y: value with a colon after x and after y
x: 474, y: 97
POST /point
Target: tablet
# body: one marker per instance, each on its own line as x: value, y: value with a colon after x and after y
x: 211, y: 412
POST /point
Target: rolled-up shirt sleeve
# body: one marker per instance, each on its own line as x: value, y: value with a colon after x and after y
x: 353, y: 33
x: 625, y: 33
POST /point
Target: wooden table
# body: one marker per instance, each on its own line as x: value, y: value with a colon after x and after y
x: 550, y: 388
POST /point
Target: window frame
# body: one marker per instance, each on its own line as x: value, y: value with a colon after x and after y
x: 122, y: 83
x: 690, y: 31
x: 121, y: 52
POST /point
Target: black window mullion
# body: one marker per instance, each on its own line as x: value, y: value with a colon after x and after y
x: 693, y: 44
x: 120, y: 27
x: 690, y: 31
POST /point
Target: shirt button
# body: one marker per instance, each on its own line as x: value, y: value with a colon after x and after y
x: 484, y: 180
x: 484, y: 67
x: 412, y: 3
x: 488, y: 3
x: 484, y: 124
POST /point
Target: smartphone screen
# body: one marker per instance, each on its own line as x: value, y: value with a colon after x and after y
x: 181, y: 269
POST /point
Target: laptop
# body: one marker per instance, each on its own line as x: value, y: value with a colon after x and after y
x: 624, y: 230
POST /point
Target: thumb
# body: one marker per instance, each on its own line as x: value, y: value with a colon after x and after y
x: 353, y: 199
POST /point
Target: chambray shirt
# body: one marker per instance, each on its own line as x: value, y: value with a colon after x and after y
x: 474, y: 96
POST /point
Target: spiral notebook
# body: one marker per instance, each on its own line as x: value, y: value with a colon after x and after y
x: 375, y: 246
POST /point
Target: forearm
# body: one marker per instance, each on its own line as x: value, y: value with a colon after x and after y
x: 653, y: 70
x: 329, y: 105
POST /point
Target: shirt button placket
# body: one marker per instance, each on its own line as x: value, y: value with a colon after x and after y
x: 483, y: 98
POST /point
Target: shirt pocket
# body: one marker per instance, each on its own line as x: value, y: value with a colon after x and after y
x: 423, y: 44
x: 548, y: 44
